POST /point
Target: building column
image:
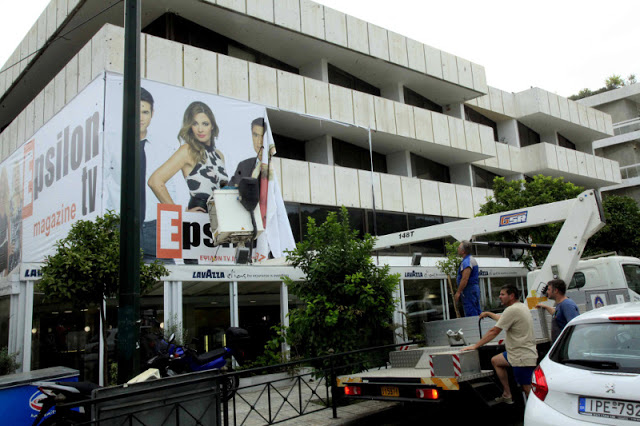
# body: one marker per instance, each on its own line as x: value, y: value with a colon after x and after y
x: 21, y: 323
x: 317, y: 69
x: 284, y: 315
x: 399, y: 163
x: 400, y: 315
x: 319, y: 150
x: 454, y: 110
x: 173, y: 305
x: 461, y: 174
x: 508, y: 132
x: 393, y: 91
x: 233, y: 304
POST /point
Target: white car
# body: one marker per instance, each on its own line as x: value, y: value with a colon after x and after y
x: 591, y: 375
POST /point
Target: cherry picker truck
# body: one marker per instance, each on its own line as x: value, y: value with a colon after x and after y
x: 439, y: 371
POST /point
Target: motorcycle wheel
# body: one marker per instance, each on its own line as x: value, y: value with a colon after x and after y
x: 232, y: 383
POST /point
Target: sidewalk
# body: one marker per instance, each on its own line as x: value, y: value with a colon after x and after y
x: 256, y: 405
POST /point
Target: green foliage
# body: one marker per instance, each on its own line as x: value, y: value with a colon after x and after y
x: 622, y: 231
x: 8, y: 362
x: 86, y: 266
x: 614, y: 81
x: 631, y: 79
x: 520, y: 194
x: 347, y: 301
x: 449, y: 266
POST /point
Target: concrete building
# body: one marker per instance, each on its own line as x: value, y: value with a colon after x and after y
x: 623, y: 105
x: 328, y: 81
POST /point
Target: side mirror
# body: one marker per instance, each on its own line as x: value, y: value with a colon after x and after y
x: 172, y: 338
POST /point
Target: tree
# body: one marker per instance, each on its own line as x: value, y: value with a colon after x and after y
x: 622, y: 231
x: 614, y: 81
x: 346, y: 300
x: 631, y: 79
x: 85, y: 270
x: 520, y: 194
x: 449, y: 266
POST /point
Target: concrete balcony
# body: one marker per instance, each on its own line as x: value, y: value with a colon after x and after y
x: 311, y: 183
x: 546, y: 112
x: 578, y: 167
x: 627, y: 126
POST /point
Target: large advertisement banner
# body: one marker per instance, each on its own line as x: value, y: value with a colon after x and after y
x: 52, y: 180
x: 193, y: 143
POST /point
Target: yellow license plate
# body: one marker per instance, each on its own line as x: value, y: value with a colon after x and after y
x: 390, y: 391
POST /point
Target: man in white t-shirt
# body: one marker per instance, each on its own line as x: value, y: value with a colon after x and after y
x: 521, y: 353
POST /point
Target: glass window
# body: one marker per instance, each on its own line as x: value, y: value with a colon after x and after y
x: 471, y: 114
x: 416, y: 99
x: 434, y: 247
x: 423, y: 302
x: 527, y: 136
x: 632, y: 275
x: 578, y: 280
x: 614, y: 347
x: 5, y: 311
x: 355, y: 157
x: 258, y: 311
x: 319, y: 213
x: 483, y: 178
x: 564, y: 142
x: 289, y: 148
x: 423, y: 168
x: 493, y: 302
x: 206, y: 314
x: 389, y: 223
x: 293, y: 213
x: 344, y: 79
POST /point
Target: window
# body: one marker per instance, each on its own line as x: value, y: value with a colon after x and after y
x: 564, y: 142
x: 423, y: 168
x: 423, y: 302
x: 354, y: 157
x: 289, y: 148
x: 483, y: 178
x: 293, y: 213
x: 577, y: 281
x: 176, y: 28
x: 632, y: 275
x: 600, y: 346
x: 527, y: 136
x: 416, y: 99
x: 344, y: 79
x: 471, y: 114
x: 434, y: 247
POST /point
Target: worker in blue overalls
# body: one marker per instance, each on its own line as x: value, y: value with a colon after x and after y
x: 468, y: 281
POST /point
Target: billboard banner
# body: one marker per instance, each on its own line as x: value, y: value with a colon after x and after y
x: 52, y: 180
x: 193, y: 143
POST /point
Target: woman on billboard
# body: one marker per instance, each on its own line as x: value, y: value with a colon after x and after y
x: 202, y: 165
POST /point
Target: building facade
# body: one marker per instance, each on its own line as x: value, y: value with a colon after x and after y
x: 623, y: 105
x: 402, y: 134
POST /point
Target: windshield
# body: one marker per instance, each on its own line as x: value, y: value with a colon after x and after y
x: 632, y: 274
x: 602, y: 346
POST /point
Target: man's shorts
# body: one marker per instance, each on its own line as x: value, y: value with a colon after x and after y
x: 522, y: 374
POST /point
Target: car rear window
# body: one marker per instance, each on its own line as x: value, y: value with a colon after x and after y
x: 600, y: 346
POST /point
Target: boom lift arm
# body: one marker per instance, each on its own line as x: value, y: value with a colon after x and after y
x: 583, y: 216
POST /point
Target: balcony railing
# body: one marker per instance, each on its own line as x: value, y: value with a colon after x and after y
x: 628, y: 172
x: 627, y: 126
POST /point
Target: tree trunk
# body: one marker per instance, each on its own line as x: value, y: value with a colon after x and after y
x: 453, y: 297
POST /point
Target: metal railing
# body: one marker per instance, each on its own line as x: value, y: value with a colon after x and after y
x: 303, y: 387
x: 629, y: 172
x: 626, y: 126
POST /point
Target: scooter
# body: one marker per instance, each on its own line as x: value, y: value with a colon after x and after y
x: 182, y: 359
x: 171, y: 359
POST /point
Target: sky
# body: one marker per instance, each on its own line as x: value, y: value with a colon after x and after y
x: 562, y: 46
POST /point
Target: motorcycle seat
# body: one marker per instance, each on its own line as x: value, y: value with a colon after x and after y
x: 211, y: 355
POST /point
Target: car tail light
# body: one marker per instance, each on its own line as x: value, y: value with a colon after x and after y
x: 352, y: 390
x: 625, y: 318
x: 539, y: 384
x: 427, y: 393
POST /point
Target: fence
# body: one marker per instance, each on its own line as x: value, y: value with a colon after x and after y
x: 265, y: 395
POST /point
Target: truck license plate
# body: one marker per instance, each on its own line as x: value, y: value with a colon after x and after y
x: 390, y: 391
x: 609, y: 408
